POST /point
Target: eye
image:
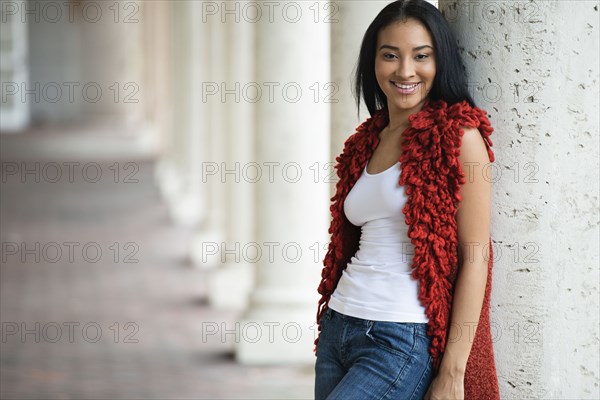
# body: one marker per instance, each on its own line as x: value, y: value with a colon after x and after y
x: 422, y: 57
x: 389, y: 56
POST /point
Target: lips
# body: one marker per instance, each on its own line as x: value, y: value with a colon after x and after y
x: 406, y: 87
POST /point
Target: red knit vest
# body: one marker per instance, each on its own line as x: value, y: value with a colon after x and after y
x: 432, y: 175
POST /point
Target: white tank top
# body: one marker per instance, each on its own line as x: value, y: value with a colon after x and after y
x: 376, y: 284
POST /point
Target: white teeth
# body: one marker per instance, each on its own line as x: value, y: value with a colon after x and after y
x: 401, y: 86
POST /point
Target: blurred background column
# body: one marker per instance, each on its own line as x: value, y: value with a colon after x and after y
x: 292, y: 130
x: 229, y: 285
x: 14, y: 68
x: 533, y: 66
x: 211, y: 233
x: 158, y: 110
x: 180, y: 171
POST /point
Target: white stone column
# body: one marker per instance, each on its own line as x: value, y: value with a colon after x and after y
x: 15, y: 114
x: 292, y: 131
x: 180, y: 171
x: 156, y: 72
x: 158, y: 18
x: 534, y: 67
x: 211, y: 233
x: 230, y: 284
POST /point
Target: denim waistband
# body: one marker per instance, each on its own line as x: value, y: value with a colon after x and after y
x: 357, y: 319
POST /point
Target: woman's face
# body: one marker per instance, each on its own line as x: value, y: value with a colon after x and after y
x: 405, y: 64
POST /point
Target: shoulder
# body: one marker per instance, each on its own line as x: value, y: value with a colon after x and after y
x: 471, y: 134
x: 475, y: 130
x: 473, y: 146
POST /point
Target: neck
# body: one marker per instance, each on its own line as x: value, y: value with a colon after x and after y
x: 398, y: 117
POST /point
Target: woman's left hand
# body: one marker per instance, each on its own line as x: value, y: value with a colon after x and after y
x: 445, y: 387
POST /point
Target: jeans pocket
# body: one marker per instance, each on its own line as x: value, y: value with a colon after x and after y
x: 327, y: 315
x: 394, y: 337
x: 421, y: 330
x: 325, y: 318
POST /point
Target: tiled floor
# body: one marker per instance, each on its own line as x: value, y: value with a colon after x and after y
x: 106, y: 306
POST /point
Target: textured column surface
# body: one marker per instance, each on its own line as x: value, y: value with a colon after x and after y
x: 292, y: 142
x: 533, y: 65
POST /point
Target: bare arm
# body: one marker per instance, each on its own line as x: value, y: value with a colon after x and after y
x: 473, y: 220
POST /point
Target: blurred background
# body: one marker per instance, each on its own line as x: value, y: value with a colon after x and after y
x: 166, y: 169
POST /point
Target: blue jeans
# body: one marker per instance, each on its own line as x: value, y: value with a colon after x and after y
x: 362, y: 359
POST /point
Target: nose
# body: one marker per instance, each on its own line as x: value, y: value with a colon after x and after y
x: 406, y: 69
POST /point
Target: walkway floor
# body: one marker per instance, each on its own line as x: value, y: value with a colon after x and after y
x: 98, y: 301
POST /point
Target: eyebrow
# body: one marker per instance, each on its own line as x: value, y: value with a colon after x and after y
x: 387, y: 46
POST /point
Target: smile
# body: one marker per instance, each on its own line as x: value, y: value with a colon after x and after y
x: 406, y: 88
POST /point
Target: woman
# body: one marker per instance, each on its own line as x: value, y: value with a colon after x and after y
x: 404, y: 312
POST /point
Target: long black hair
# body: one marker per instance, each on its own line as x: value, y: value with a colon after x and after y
x: 449, y: 83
